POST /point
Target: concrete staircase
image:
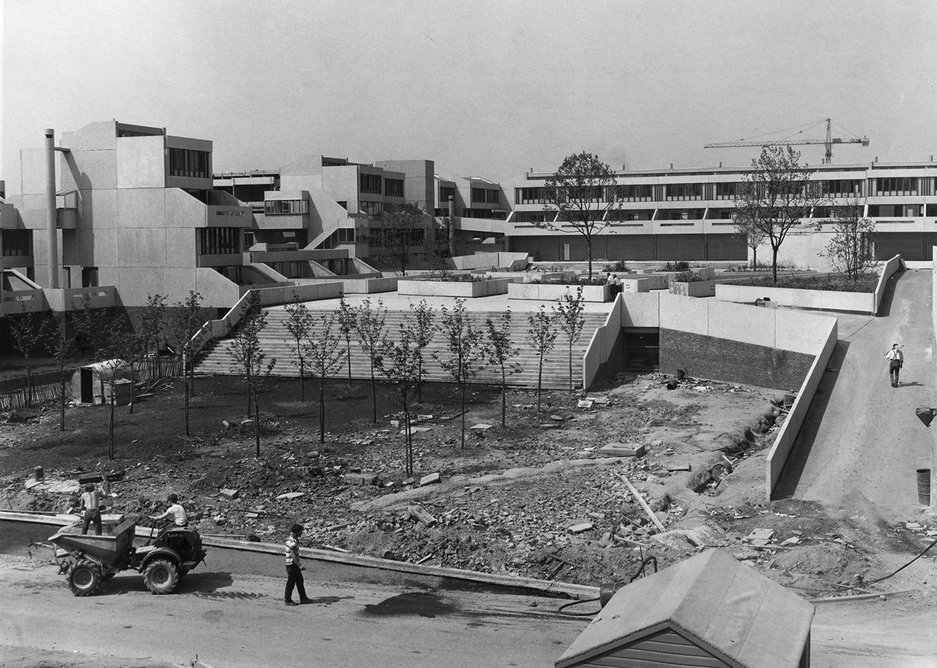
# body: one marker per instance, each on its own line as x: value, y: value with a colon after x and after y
x: 277, y: 342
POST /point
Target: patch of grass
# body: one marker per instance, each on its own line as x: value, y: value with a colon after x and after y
x: 829, y: 282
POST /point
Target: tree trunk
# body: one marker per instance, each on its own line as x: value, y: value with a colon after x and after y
x: 110, y: 427
x: 373, y: 395
x: 250, y: 390
x: 589, y: 249
x: 256, y: 424
x: 62, y: 403
x: 29, y: 383
x: 774, y: 264
x: 322, y: 410
x: 302, y: 380
x: 186, y: 406
x: 408, y: 439
x: 133, y: 386
x: 348, y: 354
x: 539, y: 381
x: 463, y: 415
x: 754, y: 259
x: 419, y: 378
x: 504, y: 394
x: 570, y: 366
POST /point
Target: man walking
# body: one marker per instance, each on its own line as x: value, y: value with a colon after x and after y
x: 895, y: 361
x: 294, y: 570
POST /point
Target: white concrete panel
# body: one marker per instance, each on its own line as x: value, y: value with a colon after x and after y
x: 99, y: 209
x: 136, y: 284
x: 33, y: 171
x: 141, y: 162
x: 687, y: 314
x: 105, y: 250
x: 802, y: 332
x: 84, y: 169
x: 181, y: 249
x: 141, y: 247
x: 216, y: 290
x: 641, y: 310
x: 739, y: 322
x: 97, y: 135
x: 141, y: 208
x: 183, y: 210
x: 32, y: 210
x: 178, y: 282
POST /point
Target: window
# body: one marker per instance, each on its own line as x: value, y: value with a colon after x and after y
x: 286, y: 207
x: 342, y: 235
x: 493, y: 196
x: 219, y: 240
x: 683, y: 191
x: 372, y: 208
x: 370, y: 183
x: 16, y: 242
x: 445, y: 193
x: 188, y: 162
x: 896, y: 186
x: 478, y: 195
x: 529, y: 195
x: 393, y: 187
x: 842, y: 188
x: 726, y: 190
x: 635, y: 193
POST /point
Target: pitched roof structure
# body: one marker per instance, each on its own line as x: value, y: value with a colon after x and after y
x: 725, y: 607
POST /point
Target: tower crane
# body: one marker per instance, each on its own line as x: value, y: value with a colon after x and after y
x: 828, y: 142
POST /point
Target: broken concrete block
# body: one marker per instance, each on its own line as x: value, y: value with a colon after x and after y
x: 616, y: 449
x: 760, y: 537
x: 430, y: 479
x: 585, y: 403
x: 913, y: 526
x: 360, y: 478
x: 230, y: 494
x: 580, y: 527
x: 30, y: 483
x: 421, y: 515
x: 481, y: 426
x: 289, y: 496
x: 557, y: 418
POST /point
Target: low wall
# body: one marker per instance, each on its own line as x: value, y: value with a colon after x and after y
x: 693, y: 288
x: 510, y: 261
x: 603, y: 345
x: 547, y: 292
x: 635, y: 284
x: 784, y: 441
x: 366, y: 286
x: 826, y: 300
x: 888, y: 270
x: 462, y: 289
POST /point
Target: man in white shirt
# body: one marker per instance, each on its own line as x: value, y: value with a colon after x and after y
x: 895, y: 361
x: 179, y: 516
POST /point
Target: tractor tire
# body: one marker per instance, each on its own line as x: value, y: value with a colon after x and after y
x: 84, y: 578
x: 161, y: 576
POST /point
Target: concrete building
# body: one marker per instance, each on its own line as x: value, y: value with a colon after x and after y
x: 686, y: 214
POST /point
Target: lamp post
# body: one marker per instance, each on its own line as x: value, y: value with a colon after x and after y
x: 927, y: 478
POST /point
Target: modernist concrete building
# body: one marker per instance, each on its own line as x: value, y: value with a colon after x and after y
x: 686, y: 214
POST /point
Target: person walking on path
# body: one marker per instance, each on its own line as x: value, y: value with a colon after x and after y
x: 895, y: 361
x: 294, y: 570
x: 91, y: 507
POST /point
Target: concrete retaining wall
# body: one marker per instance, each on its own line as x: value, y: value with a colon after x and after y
x: 463, y: 289
x: 693, y: 288
x: 547, y: 292
x: 603, y: 346
x: 501, y: 260
x: 888, y: 269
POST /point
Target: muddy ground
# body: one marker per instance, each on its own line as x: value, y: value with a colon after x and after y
x: 536, y: 498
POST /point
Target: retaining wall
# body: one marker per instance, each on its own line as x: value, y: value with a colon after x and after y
x: 604, y: 346
x: 547, y: 292
x: 462, y: 289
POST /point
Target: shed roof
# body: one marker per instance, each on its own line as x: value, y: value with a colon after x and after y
x: 740, y: 615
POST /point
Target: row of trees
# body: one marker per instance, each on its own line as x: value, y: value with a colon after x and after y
x: 774, y: 196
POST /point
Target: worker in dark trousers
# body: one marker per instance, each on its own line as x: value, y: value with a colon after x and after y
x: 895, y: 361
x: 91, y: 507
x: 294, y: 569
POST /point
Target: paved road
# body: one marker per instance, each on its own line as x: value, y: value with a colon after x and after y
x: 861, y: 444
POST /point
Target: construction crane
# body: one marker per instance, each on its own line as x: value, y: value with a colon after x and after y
x: 828, y: 142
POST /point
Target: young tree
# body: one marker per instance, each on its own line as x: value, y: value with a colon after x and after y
x: 298, y: 323
x: 372, y: 336
x: 850, y: 249
x: 187, y: 321
x: 30, y: 332
x: 129, y: 346
x: 64, y: 348
x: 423, y: 329
x: 111, y: 367
x: 501, y: 350
x: 400, y: 363
x: 754, y: 237
x: 568, y: 313
x: 404, y: 228
x: 466, y: 352
x: 347, y: 321
x: 583, y: 191
x: 248, y: 357
x: 325, y: 357
x: 541, y: 336
x: 774, y: 196
x: 153, y: 329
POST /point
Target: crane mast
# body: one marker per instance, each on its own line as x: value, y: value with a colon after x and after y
x: 827, y: 142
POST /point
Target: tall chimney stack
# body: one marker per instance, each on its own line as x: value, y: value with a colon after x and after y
x: 51, y: 211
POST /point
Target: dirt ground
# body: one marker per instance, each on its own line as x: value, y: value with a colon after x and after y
x: 536, y: 498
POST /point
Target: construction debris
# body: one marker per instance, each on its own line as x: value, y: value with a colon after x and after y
x: 616, y: 449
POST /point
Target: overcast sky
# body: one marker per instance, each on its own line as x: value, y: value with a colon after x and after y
x: 483, y: 88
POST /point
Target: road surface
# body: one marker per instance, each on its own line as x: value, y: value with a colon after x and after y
x: 861, y: 444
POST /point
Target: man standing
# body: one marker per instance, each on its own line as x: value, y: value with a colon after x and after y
x: 895, y: 361
x: 294, y: 570
x: 91, y: 505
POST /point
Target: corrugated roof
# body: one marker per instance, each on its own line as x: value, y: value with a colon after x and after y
x: 739, y: 614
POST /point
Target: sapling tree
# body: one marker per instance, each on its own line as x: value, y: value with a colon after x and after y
x: 501, y: 351
x: 129, y: 346
x: 187, y: 321
x: 64, y: 349
x: 541, y: 336
x: 347, y: 321
x: 29, y: 332
x: 322, y: 348
x: 372, y: 336
x: 298, y: 323
x: 422, y: 328
x: 400, y: 364
x: 110, y: 367
x: 465, y: 350
x: 568, y: 314
x: 249, y: 359
x: 153, y: 329
x: 850, y: 249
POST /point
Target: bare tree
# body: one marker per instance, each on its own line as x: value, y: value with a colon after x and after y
x: 541, y: 336
x: 187, y: 320
x: 29, y: 332
x: 372, y: 336
x: 850, y: 249
x: 501, y: 350
x: 465, y: 348
x: 775, y: 195
x: 568, y: 313
x: 298, y: 323
x: 583, y: 191
x: 111, y: 367
x: 153, y: 328
x: 129, y: 346
x: 423, y: 329
x: 64, y: 348
x: 405, y: 228
x: 754, y: 237
x: 321, y: 348
x: 400, y: 363
x: 248, y: 358
x: 347, y: 321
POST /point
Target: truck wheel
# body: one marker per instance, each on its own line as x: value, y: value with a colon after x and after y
x: 161, y: 576
x: 84, y: 579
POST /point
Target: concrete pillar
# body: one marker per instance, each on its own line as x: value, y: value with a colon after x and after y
x: 51, y: 210
x: 451, y: 226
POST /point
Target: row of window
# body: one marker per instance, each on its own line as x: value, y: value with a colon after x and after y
x: 16, y: 242
x: 370, y: 184
x: 485, y: 196
x: 189, y: 162
x: 219, y: 240
x: 393, y: 187
x: 390, y: 238
x: 286, y: 207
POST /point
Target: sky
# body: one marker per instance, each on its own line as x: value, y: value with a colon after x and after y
x: 483, y: 88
